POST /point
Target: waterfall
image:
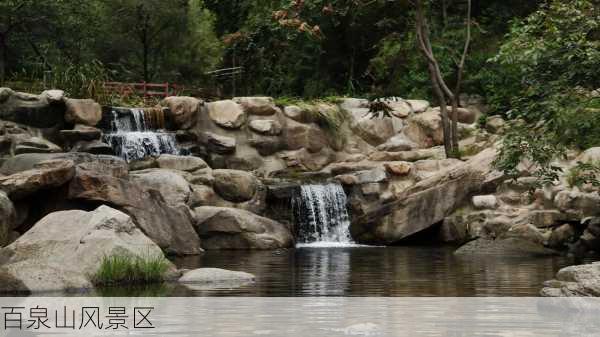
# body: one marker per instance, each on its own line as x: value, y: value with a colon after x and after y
x: 137, y: 133
x: 321, y: 217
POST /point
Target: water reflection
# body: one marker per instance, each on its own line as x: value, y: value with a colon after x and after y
x: 376, y: 271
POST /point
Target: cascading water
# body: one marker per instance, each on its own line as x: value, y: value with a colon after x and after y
x: 135, y: 134
x: 321, y: 217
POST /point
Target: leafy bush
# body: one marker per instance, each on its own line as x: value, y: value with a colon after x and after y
x: 125, y: 269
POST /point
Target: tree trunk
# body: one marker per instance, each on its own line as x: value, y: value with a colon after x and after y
x: 3, y: 58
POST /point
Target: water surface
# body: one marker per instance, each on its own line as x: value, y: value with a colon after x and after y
x: 376, y: 271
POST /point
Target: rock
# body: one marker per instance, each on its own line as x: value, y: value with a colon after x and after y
x: 400, y: 108
x: 170, y: 227
x: 230, y: 228
x: 295, y: 113
x: 578, y: 203
x: 306, y: 161
x: 64, y: 250
x: 54, y: 96
x: 464, y: 115
x: 216, y: 275
x: 426, y: 203
x: 83, y: 111
x: 267, y: 127
x: 396, y: 144
x: 377, y: 175
x: 235, y: 186
x: 262, y: 106
x: 35, y: 145
x: 504, y: 247
x: 8, y: 217
x: 93, y: 147
x: 545, y: 218
x: 485, y: 202
x: 348, y: 104
x: 581, y: 280
x: 203, y: 196
x: 591, y: 155
x: 218, y: 144
x: 31, y: 110
x: 526, y: 232
x: 266, y: 145
x: 495, y: 124
x: 561, y: 235
x: 180, y: 163
x: 399, y: 168
x: 374, y: 131
x: 46, y: 174
x: 81, y: 132
x: 226, y: 114
x: 308, y: 136
x: 418, y: 106
x: 183, y: 110
x: 101, y: 163
x: 414, y: 155
x: 173, y: 187
x: 349, y: 167
x: 425, y: 129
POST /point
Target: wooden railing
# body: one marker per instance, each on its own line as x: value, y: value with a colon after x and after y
x: 144, y: 89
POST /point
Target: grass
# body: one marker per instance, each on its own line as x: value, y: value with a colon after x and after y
x: 331, y: 120
x: 129, y: 270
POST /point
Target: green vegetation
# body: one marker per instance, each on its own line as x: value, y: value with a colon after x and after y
x: 583, y: 174
x: 128, y: 270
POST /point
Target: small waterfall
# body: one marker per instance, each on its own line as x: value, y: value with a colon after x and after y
x: 137, y: 133
x: 321, y: 216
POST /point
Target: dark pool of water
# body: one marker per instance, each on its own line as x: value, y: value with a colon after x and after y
x: 372, y: 271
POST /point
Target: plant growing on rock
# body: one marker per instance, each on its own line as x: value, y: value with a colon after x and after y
x: 129, y: 270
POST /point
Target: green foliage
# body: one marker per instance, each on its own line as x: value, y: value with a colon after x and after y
x: 583, y: 174
x: 128, y: 270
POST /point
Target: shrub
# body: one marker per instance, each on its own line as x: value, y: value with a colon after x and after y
x: 126, y: 269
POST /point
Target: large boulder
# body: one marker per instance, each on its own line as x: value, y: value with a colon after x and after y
x: 217, y: 143
x: 173, y: 187
x: 467, y: 116
x: 39, y: 111
x: 227, y: 114
x: 374, y: 131
x: 81, y: 133
x: 426, y: 203
x: 308, y: 136
x: 44, y: 175
x: 582, y: 280
x: 578, y: 204
x: 83, y: 111
x: 230, y: 228
x: 511, y: 246
x: 64, y: 250
x: 235, y: 186
x: 8, y: 217
x: 183, y: 110
x: 262, y: 106
x: 425, y: 129
x: 170, y: 227
x: 27, y: 144
x: 266, y: 127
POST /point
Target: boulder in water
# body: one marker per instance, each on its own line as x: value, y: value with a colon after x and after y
x: 83, y: 111
x: 216, y: 276
x: 582, y: 280
x: 169, y: 226
x: 8, y: 217
x: 64, y: 250
x: 231, y: 228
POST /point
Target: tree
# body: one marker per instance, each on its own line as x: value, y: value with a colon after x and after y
x: 441, y: 89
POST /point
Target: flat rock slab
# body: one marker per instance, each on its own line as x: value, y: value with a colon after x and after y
x: 216, y: 275
x: 514, y: 247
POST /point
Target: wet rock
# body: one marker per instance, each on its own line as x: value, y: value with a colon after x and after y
x: 582, y: 280
x: 173, y: 187
x: 267, y: 127
x: 47, y: 174
x: 83, y: 111
x: 226, y: 114
x: 217, y: 276
x: 504, y: 247
x: 561, y: 235
x: 181, y: 163
x: 183, y: 110
x: 262, y: 106
x: 229, y: 228
x: 235, y: 186
x: 67, y: 248
x: 170, y: 227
